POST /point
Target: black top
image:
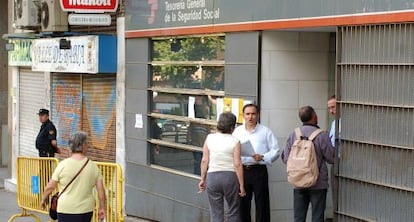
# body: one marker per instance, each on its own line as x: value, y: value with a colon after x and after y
x: 46, y: 134
x: 155, y: 130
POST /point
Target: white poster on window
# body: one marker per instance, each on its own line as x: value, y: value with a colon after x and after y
x: 191, y: 103
x: 234, y: 105
x: 219, y: 106
x: 138, y: 121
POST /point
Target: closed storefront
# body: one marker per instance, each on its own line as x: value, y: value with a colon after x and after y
x: 59, y: 65
x: 87, y: 103
x: 82, y: 89
x: 32, y: 97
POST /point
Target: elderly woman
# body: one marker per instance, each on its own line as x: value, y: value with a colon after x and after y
x: 77, y: 202
x: 224, y: 177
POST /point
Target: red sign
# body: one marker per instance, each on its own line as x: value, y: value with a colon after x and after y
x: 90, y: 6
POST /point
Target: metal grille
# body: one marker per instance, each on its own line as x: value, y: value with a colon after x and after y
x: 86, y: 102
x: 378, y: 84
x: 375, y: 91
x: 66, y: 106
x: 98, y: 113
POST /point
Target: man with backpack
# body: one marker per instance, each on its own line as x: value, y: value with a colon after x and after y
x: 306, y: 156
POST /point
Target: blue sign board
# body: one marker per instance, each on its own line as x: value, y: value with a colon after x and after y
x: 35, y: 184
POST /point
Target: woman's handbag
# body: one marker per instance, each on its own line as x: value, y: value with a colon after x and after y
x: 55, y: 197
x: 53, y: 206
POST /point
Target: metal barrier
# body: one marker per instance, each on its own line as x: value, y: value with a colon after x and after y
x: 113, y: 182
x: 33, y: 173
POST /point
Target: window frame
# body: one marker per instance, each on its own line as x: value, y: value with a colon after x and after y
x: 211, y: 123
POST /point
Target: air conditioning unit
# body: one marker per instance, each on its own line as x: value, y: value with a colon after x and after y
x: 26, y: 14
x: 53, y: 19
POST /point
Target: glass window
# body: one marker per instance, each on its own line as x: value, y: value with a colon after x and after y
x: 187, y: 77
x: 189, y: 48
x: 177, y: 159
x: 203, y: 106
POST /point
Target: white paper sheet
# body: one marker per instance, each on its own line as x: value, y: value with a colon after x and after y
x: 247, y: 149
x: 191, y: 102
x: 138, y: 121
x: 219, y: 106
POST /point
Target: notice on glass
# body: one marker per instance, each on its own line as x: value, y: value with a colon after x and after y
x: 138, y: 121
x: 191, y: 103
x: 247, y: 149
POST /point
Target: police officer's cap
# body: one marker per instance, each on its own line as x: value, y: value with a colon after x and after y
x: 43, y: 112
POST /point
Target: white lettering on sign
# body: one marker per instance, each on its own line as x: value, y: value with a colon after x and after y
x: 89, y: 19
x: 90, y: 2
x: 80, y: 58
x: 190, y: 16
x: 89, y: 6
x: 184, y: 11
x: 52, y: 54
x: 196, y: 4
x: 174, y: 6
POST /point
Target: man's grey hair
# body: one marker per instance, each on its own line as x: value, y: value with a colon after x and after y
x: 77, y: 140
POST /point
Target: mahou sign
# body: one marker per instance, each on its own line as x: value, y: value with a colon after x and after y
x: 90, y: 6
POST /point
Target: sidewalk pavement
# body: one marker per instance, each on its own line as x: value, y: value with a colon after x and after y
x: 8, y: 203
x: 9, y: 207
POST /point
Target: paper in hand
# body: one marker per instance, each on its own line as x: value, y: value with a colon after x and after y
x: 247, y: 149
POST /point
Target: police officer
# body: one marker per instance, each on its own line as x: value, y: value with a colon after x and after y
x: 46, y: 142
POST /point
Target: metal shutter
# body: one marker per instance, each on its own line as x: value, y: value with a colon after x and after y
x: 66, y: 106
x: 99, y: 115
x: 32, y: 93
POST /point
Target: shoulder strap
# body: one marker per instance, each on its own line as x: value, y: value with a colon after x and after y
x: 84, y: 165
x: 314, y: 134
x: 298, y: 133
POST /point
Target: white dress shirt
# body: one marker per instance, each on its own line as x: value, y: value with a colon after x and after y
x: 263, y: 142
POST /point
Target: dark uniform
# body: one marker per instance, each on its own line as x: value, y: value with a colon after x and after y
x: 46, y: 134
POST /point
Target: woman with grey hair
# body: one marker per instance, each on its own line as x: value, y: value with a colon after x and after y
x: 221, y: 170
x: 77, y: 202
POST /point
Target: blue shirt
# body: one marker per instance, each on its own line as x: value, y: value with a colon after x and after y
x: 332, y: 132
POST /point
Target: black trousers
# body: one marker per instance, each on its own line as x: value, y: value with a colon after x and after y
x: 301, y: 200
x: 256, y: 183
x: 44, y: 153
x: 86, y: 217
